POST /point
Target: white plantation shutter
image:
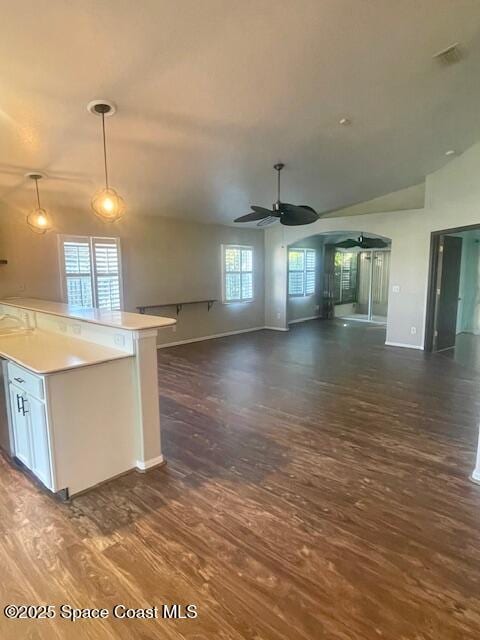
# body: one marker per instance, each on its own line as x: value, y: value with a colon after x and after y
x: 237, y: 273
x: 78, y: 273
x: 107, y: 272
x: 309, y: 272
x: 91, y: 271
x: 301, y: 272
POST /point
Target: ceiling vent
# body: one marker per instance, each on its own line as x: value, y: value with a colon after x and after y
x: 451, y: 55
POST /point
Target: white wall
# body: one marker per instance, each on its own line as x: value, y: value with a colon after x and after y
x: 452, y: 200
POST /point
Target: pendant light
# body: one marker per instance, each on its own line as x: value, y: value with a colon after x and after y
x: 39, y: 219
x: 106, y: 204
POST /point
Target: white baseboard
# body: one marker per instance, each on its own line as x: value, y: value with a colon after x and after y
x: 276, y: 328
x: 148, y: 464
x: 402, y: 344
x: 210, y: 337
x: 475, y: 477
x: 304, y: 319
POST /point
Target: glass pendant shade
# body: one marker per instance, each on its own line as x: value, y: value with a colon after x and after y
x: 39, y: 221
x: 108, y: 205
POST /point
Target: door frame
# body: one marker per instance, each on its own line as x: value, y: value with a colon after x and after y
x: 432, y: 279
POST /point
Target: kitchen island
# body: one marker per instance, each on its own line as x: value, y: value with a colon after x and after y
x: 82, y: 391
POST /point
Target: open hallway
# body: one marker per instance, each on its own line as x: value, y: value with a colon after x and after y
x: 316, y: 487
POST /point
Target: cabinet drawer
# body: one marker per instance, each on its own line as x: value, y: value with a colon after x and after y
x: 26, y: 380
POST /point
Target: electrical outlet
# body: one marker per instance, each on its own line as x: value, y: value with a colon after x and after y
x: 278, y: 316
x: 413, y: 330
x: 119, y: 340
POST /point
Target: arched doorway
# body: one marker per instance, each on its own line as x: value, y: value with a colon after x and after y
x: 341, y: 274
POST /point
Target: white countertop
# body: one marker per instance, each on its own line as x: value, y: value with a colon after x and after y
x: 115, y: 319
x: 43, y: 352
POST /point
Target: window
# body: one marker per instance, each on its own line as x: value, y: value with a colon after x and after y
x: 301, y: 272
x: 237, y: 273
x: 91, y: 271
x: 345, y: 277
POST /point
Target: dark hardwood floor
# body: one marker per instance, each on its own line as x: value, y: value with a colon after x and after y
x: 316, y: 487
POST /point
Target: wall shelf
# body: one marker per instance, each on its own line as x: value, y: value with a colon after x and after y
x: 178, y: 305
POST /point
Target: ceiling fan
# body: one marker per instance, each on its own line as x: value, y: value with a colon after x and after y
x: 289, y: 214
x: 362, y: 242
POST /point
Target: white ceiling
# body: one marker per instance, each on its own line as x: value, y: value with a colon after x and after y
x: 211, y: 93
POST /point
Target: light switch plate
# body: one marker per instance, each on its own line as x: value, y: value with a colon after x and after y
x: 396, y: 288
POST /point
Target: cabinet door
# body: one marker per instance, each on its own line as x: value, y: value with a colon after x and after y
x: 39, y: 440
x: 21, y: 428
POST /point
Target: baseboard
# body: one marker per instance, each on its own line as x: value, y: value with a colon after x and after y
x: 475, y: 477
x: 210, y: 337
x: 148, y: 464
x: 276, y: 328
x: 402, y: 344
x: 304, y: 319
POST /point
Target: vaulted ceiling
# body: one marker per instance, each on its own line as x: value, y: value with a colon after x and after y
x: 211, y: 93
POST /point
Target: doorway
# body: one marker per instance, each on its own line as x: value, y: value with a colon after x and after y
x: 453, y: 310
x: 360, y: 283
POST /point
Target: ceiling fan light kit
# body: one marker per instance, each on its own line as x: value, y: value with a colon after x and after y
x: 290, y: 215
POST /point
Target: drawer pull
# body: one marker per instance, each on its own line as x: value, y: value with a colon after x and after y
x: 20, y: 380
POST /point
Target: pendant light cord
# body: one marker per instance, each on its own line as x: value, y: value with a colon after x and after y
x: 105, y: 151
x: 38, y: 194
x: 278, y: 185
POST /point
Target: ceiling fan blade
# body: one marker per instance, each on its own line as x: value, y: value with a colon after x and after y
x: 293, y: 215
x: 267, y: 212
x: 267, y: 221
x: 347, y: 244
x: 373, y: 243
x: 254, y: 216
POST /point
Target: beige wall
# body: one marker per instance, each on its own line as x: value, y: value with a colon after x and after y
x: 163, y: 260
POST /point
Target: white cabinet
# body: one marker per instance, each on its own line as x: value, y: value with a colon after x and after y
x: 76, y: 428
x: 29, y: 423
x: 41, y: 465
x: 20, y: 426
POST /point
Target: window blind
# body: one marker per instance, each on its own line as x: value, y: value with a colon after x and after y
x: 238, y: 273
x: 91, y: 272
x: 301, y: 272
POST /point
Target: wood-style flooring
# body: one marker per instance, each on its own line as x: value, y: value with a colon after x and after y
x: 317, y: 487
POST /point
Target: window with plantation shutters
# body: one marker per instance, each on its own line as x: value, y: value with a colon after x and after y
x: 91, y: 270
x: 301, y: 272
x: 237, y: 273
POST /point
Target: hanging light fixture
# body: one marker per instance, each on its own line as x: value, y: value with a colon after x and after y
x: 106, y: 204
x: 39, y: 219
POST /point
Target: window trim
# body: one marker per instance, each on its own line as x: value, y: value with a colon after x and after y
x: 305, y: 270
x: 224, y: 247
x: 62, y: 238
